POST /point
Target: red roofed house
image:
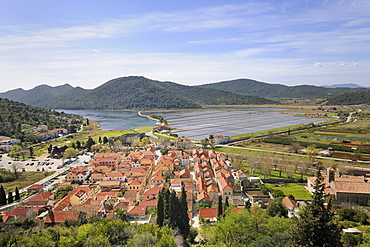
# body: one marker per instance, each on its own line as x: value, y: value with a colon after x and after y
x: 132, y: 195
x: 182, y: 143
x: 36, y: 188
x: 291, y: 205
x: 184, y: 173
x: 114, y: 176
x: 208, y: 213
x: 18, y: 214
x: 57, y: 217
x: 203, y: 197
x: 137, y: 210
x: 134, y: 185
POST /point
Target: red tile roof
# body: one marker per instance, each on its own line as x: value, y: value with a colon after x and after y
x: 35, y: 187
x: 60, y: 216
x: 208, y: 212
x: 137, y: 210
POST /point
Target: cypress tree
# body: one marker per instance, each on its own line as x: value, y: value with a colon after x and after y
x: 2, y: 196
x: 226, y: 203
x: 219, y: 208
x: 174, y: 210
x: 10, y: 197
x: 167, y: 206
x: 316, y: 225
x: 17, y: 196
x: 184, y: 218
x: 160, y: 209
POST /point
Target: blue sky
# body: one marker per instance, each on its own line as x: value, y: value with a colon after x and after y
x: 86, y: 43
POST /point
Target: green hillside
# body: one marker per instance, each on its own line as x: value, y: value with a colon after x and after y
x: 353, y: 98
x: 122, y: 93
x: 37, y: 95
x: 262, y: 89
x: 17, y: 119
x: 210, y: 96
x: 136, y: 92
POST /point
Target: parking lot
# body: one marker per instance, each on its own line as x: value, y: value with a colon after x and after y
x: 39, y: 164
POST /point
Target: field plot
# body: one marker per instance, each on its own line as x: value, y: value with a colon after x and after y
x: 296, y: 190
x: 200, y: 124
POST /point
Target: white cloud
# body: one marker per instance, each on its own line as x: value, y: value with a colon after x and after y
x: 335, y: 64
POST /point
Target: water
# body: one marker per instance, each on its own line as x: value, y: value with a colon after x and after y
x: 114, y: 120
x: 199, y: 124
x: 230, y: 122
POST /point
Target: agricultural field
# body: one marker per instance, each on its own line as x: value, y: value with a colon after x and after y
x: 348, y: 140
x: 296, y: 189
x: 25, y: 179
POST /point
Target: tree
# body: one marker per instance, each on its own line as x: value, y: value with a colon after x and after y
x: 89, y: 143
x: 2, y: 196
x: 160, y: 208
x: 276, y: 208
x: 295, y: 147
x: 117, y: 146
x: 311, y: 152
x: 31, y: 151
x: 15, y: 167
x: 17, y: 196
x: 219, y: 207
x: 10, y: 197
x: 183, y: 223
x: 204, y: 142
x: 15, y: 151
x: 316, y: 225
x: 226, y: 205
x: 105, y: 140
x: 69, y: 153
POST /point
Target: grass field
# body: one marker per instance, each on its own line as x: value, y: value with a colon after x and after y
x: 295, y: 189
x: 25, y: 179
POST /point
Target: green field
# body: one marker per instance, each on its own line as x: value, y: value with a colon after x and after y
x: 24, y: 179
x: 295, y: 189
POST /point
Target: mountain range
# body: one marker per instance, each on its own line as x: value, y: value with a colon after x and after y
x: 136, y: 92
x: 279, y: 91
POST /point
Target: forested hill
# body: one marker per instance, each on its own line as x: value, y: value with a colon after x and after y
x: 122, y: 93
x: 37, y: 95
x: 353, y: 98
x: 135, y: 92
x: 18, y: 119
x: 210, y: 96
x: 262, y: 89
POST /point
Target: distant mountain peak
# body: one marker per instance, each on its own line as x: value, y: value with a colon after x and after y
x: 348, y: 85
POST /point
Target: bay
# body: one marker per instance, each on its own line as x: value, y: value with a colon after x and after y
x: 114, y: 120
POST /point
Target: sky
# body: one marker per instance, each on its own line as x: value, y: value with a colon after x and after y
x: 88, y: 42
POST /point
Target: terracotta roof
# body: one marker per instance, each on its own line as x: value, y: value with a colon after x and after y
x: 35, y: 187
x: 135, y: 182
x: 203, y: 195
x: 351, y: 187
x: 114, y: 174
x: 110, y: 183
x: 60, y: 216
x: 208, y: 212
x: 289, y: 203
x: 130, y: 193
x: 19, y: 211
x: 152, y: 203
x: 137, y: 210
x: 212, y: 188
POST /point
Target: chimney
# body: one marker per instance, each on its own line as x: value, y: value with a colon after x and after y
x: 330, y: 176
